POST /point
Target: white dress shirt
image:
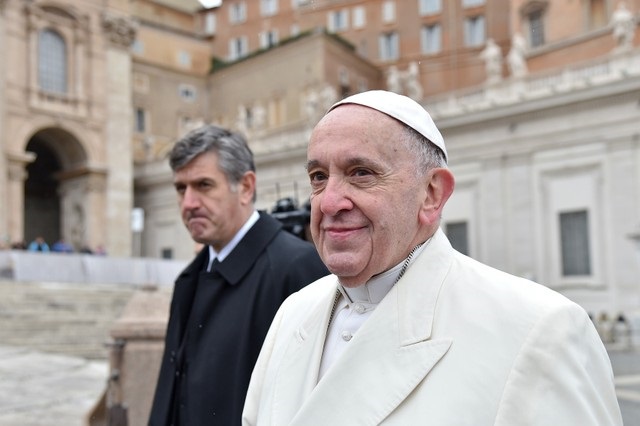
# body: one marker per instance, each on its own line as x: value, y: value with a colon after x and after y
x: 234, y: 241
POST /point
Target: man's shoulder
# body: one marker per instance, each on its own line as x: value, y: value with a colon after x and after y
x: 497, y: 286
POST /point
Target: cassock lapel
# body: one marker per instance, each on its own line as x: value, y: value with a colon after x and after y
x: 388, y: 357
x: 298, y: 373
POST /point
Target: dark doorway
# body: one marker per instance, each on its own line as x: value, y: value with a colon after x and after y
x: 41, y: 198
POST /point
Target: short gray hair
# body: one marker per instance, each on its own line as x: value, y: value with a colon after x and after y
x: 427, y: 155
x: 234, y: 155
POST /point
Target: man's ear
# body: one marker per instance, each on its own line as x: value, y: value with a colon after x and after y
x: 439, y: 186
x: 247, y: 187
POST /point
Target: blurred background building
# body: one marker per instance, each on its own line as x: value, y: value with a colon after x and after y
x: 538, y: 101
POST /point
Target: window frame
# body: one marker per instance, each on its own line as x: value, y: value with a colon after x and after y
x: 575, y: 250
x: 471, y: 27
x: 238, y: 12
x: 467, y: 4
x: 424, y: 8
x: 388, y: 12
x: 389, y: 46
x: 269, y: 7
x: 52, y: 47
x: 338, y: 20
x: 426, y: 44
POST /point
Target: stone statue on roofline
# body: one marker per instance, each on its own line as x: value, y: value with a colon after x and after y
x: 516, y: 57
x: 624, y: 27
x: 413, y: 88
x: 492, y: 56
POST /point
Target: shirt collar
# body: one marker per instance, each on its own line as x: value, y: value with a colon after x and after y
x: 234, y: 241
x: 378, y: 286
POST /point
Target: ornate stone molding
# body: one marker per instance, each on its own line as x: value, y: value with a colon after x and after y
x: 17, y: 164
x: 93, y: 179
x: 120, y: 30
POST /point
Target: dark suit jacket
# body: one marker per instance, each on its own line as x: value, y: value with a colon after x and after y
x: 204, y: 378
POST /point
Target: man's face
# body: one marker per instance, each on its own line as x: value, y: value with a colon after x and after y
x: 366, y: 197
x: 212, y: 209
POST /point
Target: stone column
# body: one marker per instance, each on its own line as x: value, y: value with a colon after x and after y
x: 4, y: 226
x: 120, y: 31
x: 17, y: 174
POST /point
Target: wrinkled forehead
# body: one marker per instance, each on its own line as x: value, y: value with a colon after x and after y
x: 353, y: 133
x: 402, y: 109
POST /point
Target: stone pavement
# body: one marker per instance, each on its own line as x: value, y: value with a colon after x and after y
x: 626, y: 371
x: 43, y: 389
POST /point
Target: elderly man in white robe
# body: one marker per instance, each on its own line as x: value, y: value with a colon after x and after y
x: 407, y: 330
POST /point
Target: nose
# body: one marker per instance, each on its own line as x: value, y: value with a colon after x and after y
x: 334, y: 198
x: 190, y: 199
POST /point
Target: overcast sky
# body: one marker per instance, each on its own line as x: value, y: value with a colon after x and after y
x: 210, y: 3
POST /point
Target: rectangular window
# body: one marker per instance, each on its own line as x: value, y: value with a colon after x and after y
x: 52, y: 62
x: 238, y: 12
x: 210, y: 23
x: 388, y: 44
x: 268, y: 7
x: 536, y: 28
x: 141, y: 120
x: 268, y: 39
x: 472, y: 3
x: 474, y: 34
x: 458, y: 235
x: 431, y: 39
x: 388, y: 11
x: 238, y: 48
x: 166, y: 253
x: 359, y: 17
x: 338, y: 20
x: 429, y: 7
x: 574, y: 242
x: 184, y: 59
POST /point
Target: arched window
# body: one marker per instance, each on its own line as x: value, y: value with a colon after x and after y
x: 52, y: 62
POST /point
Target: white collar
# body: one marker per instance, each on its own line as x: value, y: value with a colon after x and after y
x: 234, y: 241
x: 379, y: 285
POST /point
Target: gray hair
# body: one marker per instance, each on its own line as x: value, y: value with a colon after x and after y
x: 234, y: 155
x: 428, y: 156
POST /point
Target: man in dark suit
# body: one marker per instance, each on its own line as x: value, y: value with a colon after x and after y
x: 224, y: 301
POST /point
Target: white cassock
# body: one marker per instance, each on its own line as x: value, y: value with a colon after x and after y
x: 453, y: 342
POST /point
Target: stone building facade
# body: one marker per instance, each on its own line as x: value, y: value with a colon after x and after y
x: 542, y: 128
x: 65, y: 122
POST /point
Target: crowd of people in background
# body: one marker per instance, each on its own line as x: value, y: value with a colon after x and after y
x: 39, y: 244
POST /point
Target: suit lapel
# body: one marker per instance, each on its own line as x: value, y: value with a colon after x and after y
x: 388, y: 357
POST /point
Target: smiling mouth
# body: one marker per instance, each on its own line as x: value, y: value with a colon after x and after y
x: 341, y: 232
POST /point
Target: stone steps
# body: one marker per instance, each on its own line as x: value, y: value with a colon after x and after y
x: 69, y: 319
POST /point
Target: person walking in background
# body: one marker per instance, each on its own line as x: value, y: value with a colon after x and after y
x: 224, y: 301
x: 407, y: 330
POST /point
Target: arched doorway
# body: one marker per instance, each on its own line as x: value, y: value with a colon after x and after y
x: 51, y: 208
